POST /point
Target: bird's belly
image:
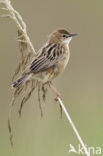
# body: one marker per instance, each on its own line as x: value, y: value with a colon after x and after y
x: 42, y: 77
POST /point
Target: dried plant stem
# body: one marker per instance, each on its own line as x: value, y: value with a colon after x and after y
x: 73, y: 126
x: 13, y: 14
x: 39, y: 99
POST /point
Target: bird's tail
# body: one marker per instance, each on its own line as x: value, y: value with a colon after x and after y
x: 21, y: 80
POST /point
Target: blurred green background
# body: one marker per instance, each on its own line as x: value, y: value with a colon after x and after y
x: 81, y: 85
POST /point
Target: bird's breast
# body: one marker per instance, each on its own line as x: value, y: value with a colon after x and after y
x: 60, y: 66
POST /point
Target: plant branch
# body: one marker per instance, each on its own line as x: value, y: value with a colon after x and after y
x: 13, y: 14
x: 73, y: 126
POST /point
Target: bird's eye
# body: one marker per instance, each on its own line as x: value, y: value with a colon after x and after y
x: 64, y: 36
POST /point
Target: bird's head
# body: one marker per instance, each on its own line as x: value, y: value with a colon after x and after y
x: 61, y: 36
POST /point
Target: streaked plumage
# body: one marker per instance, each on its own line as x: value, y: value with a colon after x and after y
x: 51, y: 59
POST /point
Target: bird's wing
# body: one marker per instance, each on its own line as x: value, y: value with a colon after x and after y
x: 50, y: 55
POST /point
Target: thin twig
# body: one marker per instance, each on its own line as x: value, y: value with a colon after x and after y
x: 18, y: 20
x: 73, y: 126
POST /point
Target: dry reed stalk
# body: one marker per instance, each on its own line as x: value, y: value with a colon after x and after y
x: 27, y: 52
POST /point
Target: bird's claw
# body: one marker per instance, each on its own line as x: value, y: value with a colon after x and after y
x: 58, y: 95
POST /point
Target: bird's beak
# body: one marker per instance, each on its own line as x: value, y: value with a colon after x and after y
x: 71, y: 35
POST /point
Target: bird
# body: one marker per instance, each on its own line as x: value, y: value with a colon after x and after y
x: 50, y: 60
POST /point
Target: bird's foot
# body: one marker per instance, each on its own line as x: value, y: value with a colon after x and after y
x: 58, y: 95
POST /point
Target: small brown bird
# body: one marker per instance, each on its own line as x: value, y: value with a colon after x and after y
x: 51, y: 59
